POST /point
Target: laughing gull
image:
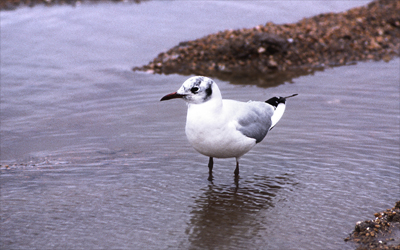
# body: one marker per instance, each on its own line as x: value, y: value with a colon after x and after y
x: 222, y: 128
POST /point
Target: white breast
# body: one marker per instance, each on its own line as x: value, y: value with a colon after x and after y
x: 212, y: 130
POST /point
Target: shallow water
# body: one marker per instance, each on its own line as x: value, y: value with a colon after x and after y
x: 96, y: 161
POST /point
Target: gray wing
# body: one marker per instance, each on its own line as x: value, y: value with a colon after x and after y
x: 255, y: 120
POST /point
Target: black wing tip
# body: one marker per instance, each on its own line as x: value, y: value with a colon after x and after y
x: 274, y: 101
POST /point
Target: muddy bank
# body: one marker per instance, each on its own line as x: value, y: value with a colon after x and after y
x: 381, y: 233
x: 268, y: 51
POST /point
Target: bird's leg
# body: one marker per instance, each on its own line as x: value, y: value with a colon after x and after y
x: 210, y: 165
x: 237, y: 168
x: 236, y: 180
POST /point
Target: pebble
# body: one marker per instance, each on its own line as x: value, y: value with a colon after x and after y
x: 383, y: 226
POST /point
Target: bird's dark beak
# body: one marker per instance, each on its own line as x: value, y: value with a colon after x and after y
x: 172, y: 96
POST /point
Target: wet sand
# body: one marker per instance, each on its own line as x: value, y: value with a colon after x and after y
x: 268, y: 51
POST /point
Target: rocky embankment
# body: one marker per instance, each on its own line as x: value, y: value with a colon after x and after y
x: 369, y: 32
x: 381, y: 233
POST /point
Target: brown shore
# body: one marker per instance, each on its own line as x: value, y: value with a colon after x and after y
x: 271, y: 51
x: 381, y: 233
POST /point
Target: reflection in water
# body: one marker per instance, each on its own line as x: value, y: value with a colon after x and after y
x: 227, y: 215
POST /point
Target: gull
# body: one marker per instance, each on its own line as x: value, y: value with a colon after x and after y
x: 222, y: 128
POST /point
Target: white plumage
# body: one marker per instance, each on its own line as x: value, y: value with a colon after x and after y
x: 225, y: 128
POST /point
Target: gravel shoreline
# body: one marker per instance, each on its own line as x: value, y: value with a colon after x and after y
x: 273, y: 51
x: 381, y: 233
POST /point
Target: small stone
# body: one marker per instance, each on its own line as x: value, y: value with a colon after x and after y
x: 272, y: 63
x: 261, y: 50
x: 370, y: 56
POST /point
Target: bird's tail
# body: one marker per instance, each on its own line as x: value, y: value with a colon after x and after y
x: 279, y: 105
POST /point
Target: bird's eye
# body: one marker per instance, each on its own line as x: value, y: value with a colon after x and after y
x: 194, y: 90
